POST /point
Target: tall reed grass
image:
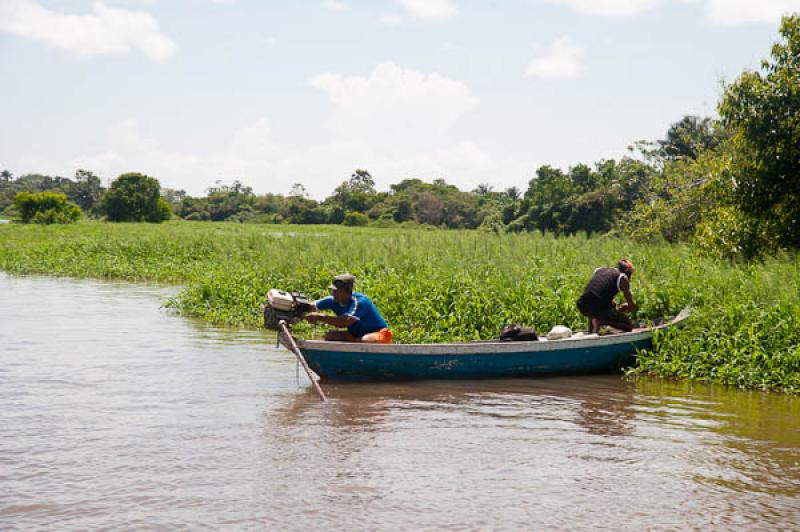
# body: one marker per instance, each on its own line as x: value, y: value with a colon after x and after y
x: 447, y: 285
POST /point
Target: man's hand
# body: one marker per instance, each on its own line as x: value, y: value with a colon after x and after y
x: 624, y: 308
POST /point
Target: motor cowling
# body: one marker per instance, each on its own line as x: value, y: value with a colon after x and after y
x: 287, y: 306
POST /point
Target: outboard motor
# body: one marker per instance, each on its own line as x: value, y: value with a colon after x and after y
x: 287, y: 306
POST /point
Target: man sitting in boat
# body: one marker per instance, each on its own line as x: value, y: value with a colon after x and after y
x: 597, y: 302
x: 354, y: 311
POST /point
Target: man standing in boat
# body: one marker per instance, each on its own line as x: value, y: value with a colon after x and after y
x: 354, y: 311
x: 597, y: 302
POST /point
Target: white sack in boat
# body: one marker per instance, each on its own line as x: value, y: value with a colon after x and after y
x: 559, y: 332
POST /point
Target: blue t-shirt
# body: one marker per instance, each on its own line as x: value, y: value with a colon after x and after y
x: 368, y: 319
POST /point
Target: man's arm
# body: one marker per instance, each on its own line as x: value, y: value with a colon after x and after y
x: 629, y: 305
x: 342, y: 321
x: 326, y: 303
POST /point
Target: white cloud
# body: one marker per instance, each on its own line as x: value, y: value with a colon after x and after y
x: 395, y: 121
x: 253, y: 155
x: 560, y: 61
x: 432, y: 10
x: 392, y: 19
x: 253, y: 142
x: 250, y: 154
x: 607, y: 8
x: 334, y: 5
x: 268, y: 40
x: 400, y: 123
x: 461, y: 163
x: 128, y: 150
x: 107, y: 31
x: 735, y: 12
x: 395, y: 103
x: 718, y: 12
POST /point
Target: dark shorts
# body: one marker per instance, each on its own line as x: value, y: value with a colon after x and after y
x: 594, y: 309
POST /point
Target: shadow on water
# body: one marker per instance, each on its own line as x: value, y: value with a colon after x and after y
x: 736, y: 442
x: 604, y: 405
x: 599, y: 404
x: 600, y: 449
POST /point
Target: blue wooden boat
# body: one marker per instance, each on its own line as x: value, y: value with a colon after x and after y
x: 580, y: 354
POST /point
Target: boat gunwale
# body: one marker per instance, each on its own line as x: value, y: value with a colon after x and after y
x: 489, y: 347
x: 465, y: 348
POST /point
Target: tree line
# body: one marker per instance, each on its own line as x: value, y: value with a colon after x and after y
x: 730, y: 185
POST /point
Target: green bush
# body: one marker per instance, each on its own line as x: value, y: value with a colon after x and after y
x: 355, y: 219
x: 197, y: 216
x: 135, y: 198
x: 265, y: 218
x: 45, y: 208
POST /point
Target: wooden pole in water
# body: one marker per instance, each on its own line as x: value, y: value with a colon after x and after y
x: 293, y: 347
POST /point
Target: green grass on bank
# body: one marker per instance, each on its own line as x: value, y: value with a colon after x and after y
x: 447, y: 285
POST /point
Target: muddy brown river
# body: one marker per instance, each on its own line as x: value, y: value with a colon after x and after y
x: 117, y: 415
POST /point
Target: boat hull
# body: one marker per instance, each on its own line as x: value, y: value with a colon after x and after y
x: 580, y: 354
x: 464, y: 361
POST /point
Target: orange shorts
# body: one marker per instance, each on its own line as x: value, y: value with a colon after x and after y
x: 384, y: 336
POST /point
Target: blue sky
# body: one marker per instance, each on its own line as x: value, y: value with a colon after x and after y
x: 276, y: 93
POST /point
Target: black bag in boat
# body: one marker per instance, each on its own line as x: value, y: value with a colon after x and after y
x: 518, y: 333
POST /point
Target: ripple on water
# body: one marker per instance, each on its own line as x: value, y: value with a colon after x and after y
x: 119, y: 415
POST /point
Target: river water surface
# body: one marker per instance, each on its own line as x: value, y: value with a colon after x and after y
x: 118, y: 415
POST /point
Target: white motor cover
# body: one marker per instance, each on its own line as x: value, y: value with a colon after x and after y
x: 280, y: 300
x: 559, y: 332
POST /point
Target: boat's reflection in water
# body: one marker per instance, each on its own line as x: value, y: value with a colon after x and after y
x: 633, y: 453
x: 598, y: 404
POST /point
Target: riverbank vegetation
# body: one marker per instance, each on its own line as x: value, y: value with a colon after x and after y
x: 45, y: 208
x: 710, y: 214
x: 730, y: 186
x: 435, y: 285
